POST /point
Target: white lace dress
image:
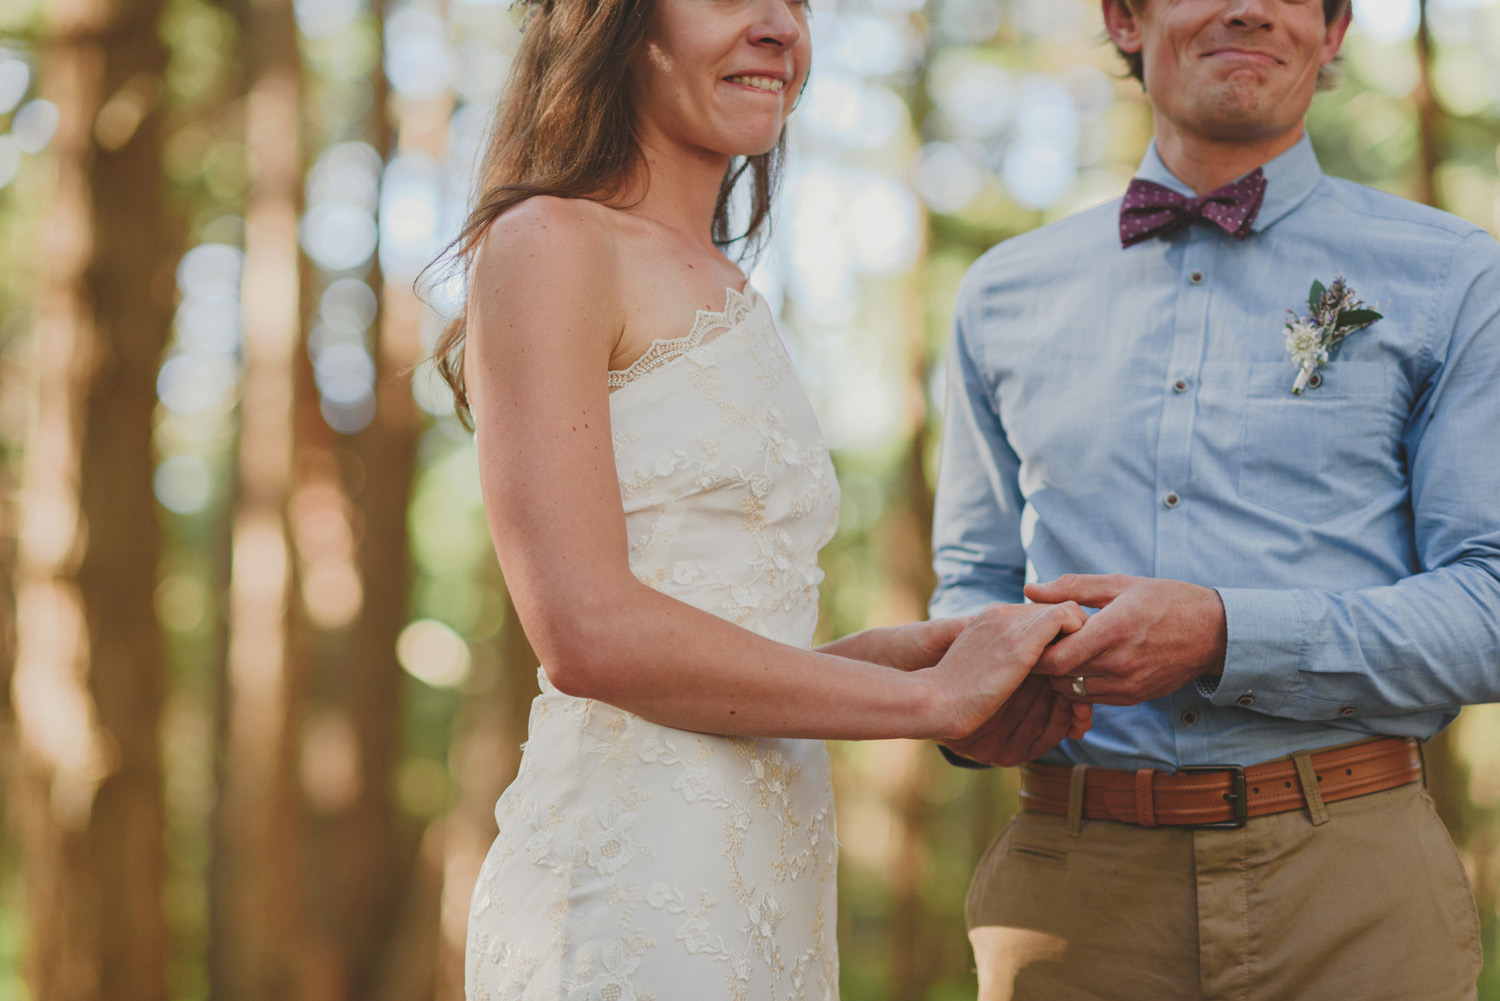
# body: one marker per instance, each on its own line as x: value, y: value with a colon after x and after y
x: 636, y: 862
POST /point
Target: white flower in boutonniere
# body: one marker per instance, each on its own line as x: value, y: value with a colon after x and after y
x: 1333, y: 314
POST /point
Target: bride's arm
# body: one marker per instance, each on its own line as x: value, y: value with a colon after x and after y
x: 545, y: 315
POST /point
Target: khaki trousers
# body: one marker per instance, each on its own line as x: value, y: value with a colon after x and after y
x: 1371, y: 905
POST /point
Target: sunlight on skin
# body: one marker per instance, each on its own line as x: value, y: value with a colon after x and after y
x: 660, y: 58
x: 1002, y: 953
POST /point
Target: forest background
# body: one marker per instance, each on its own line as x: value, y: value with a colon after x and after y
x: 261, y: 682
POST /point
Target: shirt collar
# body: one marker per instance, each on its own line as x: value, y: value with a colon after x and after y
x: 1290, y: 179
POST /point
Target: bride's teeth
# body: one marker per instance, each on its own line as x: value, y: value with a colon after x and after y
x: 759, y: 82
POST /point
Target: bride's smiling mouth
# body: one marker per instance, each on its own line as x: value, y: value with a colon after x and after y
x: 758, y: 81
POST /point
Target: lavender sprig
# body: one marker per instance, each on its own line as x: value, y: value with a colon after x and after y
x: 1333, y: 314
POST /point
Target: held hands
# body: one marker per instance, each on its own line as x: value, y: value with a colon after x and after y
x: 1033, y: 720
x: 981, y: 700
x: 915, y: 645
x: 1149, y: 638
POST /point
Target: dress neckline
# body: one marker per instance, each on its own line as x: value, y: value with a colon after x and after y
x: 737, y: 305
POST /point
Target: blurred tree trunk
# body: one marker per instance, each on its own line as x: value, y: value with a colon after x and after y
x: 255, y: 949
x: 1431, y: 117
x: 359, y: 854
x: 391, y: 869
x: 88, y: 681
x: 1447, y: 780
x: 13, y: 385
x: 377, y: 856
x: 906, y: 548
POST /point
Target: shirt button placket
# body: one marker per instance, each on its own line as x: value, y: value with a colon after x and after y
x: 1189, y: 329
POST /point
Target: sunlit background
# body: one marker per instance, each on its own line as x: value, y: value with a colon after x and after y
x: 336, y: 647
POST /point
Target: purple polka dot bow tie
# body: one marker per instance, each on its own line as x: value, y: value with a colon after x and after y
x: 1151, y: 209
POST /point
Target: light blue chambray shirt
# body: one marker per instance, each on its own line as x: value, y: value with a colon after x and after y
x: 1130, y: 411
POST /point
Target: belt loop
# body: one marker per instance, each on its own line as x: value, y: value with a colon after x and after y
x: 1145, y: 805
x: 1308, y: 776
x: 1075, y: 800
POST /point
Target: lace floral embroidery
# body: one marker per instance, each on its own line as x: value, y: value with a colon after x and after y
x: 635, y: 861
x: 662, y: 352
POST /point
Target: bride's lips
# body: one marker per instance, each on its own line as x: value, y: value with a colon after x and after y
x: 760, y: 81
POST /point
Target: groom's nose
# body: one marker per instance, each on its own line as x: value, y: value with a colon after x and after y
x: 1253, y: 15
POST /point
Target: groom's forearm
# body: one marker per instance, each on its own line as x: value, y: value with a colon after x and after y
x: 1429, y: 642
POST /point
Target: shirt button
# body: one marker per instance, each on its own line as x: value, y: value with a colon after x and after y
x: 1314, y: 381
x: 1189, y: 717
x: 1180, y: 386
x: 1171, y: 500
x: 1347, y: 711
x: 1196, y: 278
x: 1245, y: 700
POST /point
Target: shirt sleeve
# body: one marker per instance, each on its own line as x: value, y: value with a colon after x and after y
x: 1432, y: 640
x: 976, y: 531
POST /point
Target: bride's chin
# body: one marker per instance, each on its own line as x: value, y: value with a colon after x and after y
x: 753, y: 147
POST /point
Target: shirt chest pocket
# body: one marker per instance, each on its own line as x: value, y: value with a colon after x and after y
x: 1325, y: 453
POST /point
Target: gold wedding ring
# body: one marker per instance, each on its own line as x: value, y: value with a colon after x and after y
x: 1078, y: 688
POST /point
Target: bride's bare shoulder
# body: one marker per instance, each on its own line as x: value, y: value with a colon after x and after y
x: 546, y: 274
x: 548, y: 245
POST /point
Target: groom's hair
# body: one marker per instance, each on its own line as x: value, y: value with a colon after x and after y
x: 1328, y: 76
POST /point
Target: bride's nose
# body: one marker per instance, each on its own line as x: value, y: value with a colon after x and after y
x: 775, y: 25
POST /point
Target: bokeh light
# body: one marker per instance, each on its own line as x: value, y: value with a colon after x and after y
x: 322, y: 19
x: 34, y: 124
x: 411, y: 216
x: 183, y: 484
x: 433, y: 653
x: 10, y: 158
x: 419, y: 62
x: 1387, y: 20
x: 15, y: 78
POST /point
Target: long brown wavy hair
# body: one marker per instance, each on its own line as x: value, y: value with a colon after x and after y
x: 566, y: 127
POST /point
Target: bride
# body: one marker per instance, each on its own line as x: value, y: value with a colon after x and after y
x: 658, y: 489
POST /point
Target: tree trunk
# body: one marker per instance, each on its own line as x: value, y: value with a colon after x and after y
x: 1430, y: 114
x: 906, y: 546
x: 255, y: 954
x: 378, y: 857
x: 88, y: 681
x: 1447, y: 779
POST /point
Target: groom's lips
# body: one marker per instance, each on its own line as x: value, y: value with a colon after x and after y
x: 1254, y: 55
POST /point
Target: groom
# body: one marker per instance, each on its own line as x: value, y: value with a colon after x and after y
x: 1289, y: 522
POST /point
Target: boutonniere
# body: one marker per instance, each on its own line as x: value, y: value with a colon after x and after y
x: 1333, y: 314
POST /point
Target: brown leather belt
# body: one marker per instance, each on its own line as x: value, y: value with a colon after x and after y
x: 1223, y: 795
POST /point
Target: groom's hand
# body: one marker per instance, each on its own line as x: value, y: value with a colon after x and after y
x: 1149, y: 638
x: 1033, y: 720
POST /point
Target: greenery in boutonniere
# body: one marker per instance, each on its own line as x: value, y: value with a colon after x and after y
x: 1333, y: 314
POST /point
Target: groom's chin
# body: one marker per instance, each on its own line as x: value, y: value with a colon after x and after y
x: 1242, y: 110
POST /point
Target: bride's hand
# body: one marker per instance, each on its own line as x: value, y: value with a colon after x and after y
x: 988, y: 662
x: 1033, y: 720
x: 915, y: 645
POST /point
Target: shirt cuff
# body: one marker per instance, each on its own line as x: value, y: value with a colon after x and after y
x: 954, y: 758
x: 1267, y: 637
